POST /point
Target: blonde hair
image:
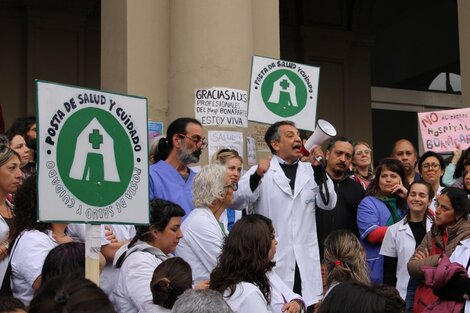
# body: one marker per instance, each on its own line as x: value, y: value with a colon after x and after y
x: 223, y: 155
x: 345, y: 258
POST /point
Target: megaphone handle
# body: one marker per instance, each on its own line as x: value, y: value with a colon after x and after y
x: 322, y: 181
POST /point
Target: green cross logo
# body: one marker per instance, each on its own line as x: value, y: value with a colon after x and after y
x: 284, y: 93
x: 95, y: 139
x: 95, y: 157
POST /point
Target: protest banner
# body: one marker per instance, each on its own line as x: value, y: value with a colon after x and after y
x: 443, y: 131
x: 93, y: 164
x: 283, y: 90
x: 219, y: 106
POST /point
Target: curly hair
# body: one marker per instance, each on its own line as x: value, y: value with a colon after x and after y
x: 26, y: 210
x: 208, y: 185
x: 245, y: 257
x: 344, y: 257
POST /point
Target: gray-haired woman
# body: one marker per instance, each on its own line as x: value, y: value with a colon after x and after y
x: 203, y: 232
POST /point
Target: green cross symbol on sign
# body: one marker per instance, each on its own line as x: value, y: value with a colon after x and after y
x: 95, y: 139
x: 284, y: 84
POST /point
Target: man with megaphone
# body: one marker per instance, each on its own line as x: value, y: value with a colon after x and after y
x: 287, y: 190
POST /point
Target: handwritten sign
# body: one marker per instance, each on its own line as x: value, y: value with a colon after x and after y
x: 251, y: 150
x: 443, y: 131
x: 155, y: 129
x: 221, y: 107
x: 225, y: 139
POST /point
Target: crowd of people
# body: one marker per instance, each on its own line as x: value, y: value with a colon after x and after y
x: 323, y: 232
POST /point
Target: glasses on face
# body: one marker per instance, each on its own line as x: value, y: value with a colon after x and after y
x: 365, y: 151
x: 198, y: 140
x: 432, y: 166
x: 234, y: 186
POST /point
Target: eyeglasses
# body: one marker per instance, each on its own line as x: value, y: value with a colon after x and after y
x: 365, y: 151
x: 432, y: 166
x: 234, y: 186
x: 196, y: 139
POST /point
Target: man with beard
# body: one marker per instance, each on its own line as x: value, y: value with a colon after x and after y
x: 405, y: 152
x: 170, y: 177
x: 287, y: 191
x: 350, y: 193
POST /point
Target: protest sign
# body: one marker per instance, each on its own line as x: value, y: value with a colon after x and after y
x: 155, y: 129
x: 221, y: 107
x: 443, y: 131
x: 283, y: 90
x: 251, y: 150
x: 225, y: 140
x: 93, y: 164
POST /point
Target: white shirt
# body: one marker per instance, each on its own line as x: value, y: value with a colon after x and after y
x: 224, y: 218
x: 202, y: 242
x: 110, y: 274
x: 150, y: 307
x: 280, y: 293
x: 4, y: 233
x: 133, y: 285
x: 27, y: 260
x: 400, y: 243
x: 461, y: 255
x: 293, y: 216
x: 246, y: 298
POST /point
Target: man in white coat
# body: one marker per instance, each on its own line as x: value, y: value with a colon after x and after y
x: 287, y: 190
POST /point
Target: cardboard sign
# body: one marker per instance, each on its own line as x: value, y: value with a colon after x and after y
x: 225, y: 139
x: 93, y: 165
x: 283, y: 90
x: 443, y: 131
x: 251, y: 150
x: 221, y: 107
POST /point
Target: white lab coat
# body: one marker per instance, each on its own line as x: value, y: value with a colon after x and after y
x: 150, y: 307
x: 400, y: 243
x: 133, y: 285
x: 246, y: 298
x: 461, y: 255
x: 202, y: 242
x: 293, y: 217
x: 4, y: 232
x: 30, y: 251
x: 280, y: 293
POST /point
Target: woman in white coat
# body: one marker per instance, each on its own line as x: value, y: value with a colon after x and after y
x: 402, y: 238
x: 31, y: 242
x: 244, y: 270
x: 203, y: 233
x: 10, y: 179
x: 137, y: 260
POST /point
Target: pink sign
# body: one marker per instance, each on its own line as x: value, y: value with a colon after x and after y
x: 443, y: 131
